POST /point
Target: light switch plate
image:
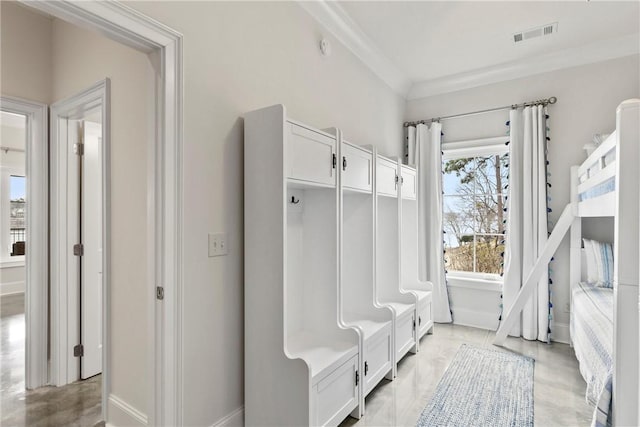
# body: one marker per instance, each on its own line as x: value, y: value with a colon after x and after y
x: 218, y: 245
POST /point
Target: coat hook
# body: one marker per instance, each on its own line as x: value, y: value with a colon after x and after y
x: 294, y: 201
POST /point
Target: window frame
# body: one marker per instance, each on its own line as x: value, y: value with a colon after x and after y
x: 468, y: 149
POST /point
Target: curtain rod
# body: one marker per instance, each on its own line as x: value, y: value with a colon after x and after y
x: 551, y: 100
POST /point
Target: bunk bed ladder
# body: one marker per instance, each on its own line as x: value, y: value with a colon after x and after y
x: 562, y: 226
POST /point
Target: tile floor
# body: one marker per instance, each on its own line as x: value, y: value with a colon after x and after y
x: 558, y: 387
x: 76, y: 404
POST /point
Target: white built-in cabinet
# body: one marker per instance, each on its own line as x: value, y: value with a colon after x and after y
x: 326, y: 314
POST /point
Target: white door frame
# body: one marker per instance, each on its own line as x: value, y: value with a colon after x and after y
x: 36, y: 258
x: 165, y: 208
x: 64, y: 298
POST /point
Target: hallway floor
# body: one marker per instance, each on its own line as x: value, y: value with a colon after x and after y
x: 559, y: 389
x: 76, y: 404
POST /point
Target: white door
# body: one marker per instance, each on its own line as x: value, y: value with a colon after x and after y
x: 91, y: 226
x: 311, y: 156
x: 357, y: 167
x: 387, y: 177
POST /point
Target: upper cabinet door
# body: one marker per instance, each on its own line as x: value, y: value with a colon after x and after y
x: 409, y: 183
x: 387, y: 177
x: 311, y: 155
x: 357, y: 168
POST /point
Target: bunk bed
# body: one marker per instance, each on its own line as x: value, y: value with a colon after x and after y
x: 604, y: 323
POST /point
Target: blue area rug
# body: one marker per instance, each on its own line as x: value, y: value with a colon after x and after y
x: 483, y: 387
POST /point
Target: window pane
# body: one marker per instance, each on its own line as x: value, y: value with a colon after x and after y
x: 490, y: 213
x: 458, y: 238
x: 460, y: 257
x: 491, y: 174
x: 488, y: 253
x: 458, y: 176
x: 17, y: 215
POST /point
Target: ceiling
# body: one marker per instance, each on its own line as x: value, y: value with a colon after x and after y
x: 428, y: 41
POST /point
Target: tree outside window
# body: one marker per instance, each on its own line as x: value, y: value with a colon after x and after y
x: 474, y: 202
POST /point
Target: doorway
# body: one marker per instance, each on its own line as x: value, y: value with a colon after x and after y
x: 79, y: 230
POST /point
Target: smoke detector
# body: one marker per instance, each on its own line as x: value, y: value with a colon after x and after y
x: 542, y: 31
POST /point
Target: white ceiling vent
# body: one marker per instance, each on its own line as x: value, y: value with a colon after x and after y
x: 545, y: 30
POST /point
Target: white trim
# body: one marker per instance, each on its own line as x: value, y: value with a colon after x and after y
x: 595, y: 52
x: 13, y: 263
x: 560, y: 333
x: 475, y: 283
x: 123, y: 414
x: 37, y: 256
x: 338, y: 22
x: 12, y: 288
x: 64, y: 301
x: 128, y: 26
x: 476, y: 319
x: 232, y: 419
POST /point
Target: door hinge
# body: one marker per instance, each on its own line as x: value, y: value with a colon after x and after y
x: 78, y: 249
x: 366, y: 368
x: 396, y: 181
x: 78, y: 148
x: 335, y: 160
x: 357, y: 378
x: 414, y: 324
x: 159, y: 292
x: 419, y: 320
x: 78, y: 350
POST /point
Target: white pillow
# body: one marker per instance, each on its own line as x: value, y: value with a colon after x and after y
x: 599, y: 263
x: 592, y: 268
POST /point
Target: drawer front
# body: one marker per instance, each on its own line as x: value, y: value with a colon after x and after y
x: 409, y: 183
x: 404, y: 331
x: 377, y: 356
x: 357, y: 168
x: 386, y: 173
x: 336, y: 395
x: 424, y: 317
x: 310, y: 156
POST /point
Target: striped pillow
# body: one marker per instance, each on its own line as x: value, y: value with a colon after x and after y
x: 599, y: 263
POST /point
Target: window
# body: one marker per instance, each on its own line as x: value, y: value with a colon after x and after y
x: 474, y: 215
x: 17, y: 211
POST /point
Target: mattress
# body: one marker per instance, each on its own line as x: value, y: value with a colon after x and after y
x: 592, y: 337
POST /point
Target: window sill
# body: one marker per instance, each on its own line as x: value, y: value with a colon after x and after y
x: 11, y: 263
x: 476, y: 283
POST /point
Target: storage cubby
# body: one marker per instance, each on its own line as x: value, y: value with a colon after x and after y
x: 409, y: 266
x: 332, y: 296
x: 359, y: 307
x: 388, y: 290
x: 301, y: 364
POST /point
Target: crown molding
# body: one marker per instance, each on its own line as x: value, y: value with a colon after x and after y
x: 338, y: 22
x: 595, y: 52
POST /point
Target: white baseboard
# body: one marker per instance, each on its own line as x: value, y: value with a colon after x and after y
x: 8, y: 288
x: 476, y: 319
x: 121, y: 414
x: 233, y: 419
x: 560, y: 333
